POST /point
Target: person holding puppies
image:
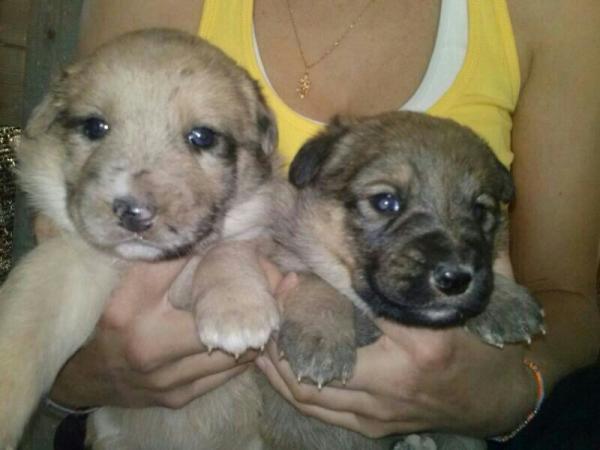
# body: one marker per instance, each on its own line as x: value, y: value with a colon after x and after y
x: 527, y: 86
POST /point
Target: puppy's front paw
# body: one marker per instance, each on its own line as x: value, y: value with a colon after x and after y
x: 512, y: 315
x: 235, y: 320
x: 18, y: 393
x: 318, y: 354
x: 415, y: 442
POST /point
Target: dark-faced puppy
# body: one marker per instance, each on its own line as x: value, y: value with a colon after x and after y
x: 422, y: 204
x: 403, y: 214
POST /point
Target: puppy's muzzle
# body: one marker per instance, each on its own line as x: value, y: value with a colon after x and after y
x: 451, y: 279
x: 134, y: 215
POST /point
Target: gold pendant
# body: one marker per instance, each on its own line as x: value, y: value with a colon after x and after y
x: 303, y: 85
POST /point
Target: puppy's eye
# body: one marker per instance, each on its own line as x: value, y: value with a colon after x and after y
x: 202, y: 138
x: 385, y: 203
x: 94, y: 128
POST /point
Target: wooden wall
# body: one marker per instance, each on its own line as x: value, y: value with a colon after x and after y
x: 14, y: 22
x: 37, y: 38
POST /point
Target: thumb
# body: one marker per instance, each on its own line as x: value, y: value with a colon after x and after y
x: 156, y: 276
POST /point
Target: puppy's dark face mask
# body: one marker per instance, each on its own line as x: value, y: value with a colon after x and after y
x: 421, y: 199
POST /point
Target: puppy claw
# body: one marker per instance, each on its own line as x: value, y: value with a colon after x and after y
x: 281, y: 355
x: 543, y: 330
x: 210, y: 350
x: 315, y: 354
x: 512, y: 315
x: 320, y: 385
x: 299, y: 378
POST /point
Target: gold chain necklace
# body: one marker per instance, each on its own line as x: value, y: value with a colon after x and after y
x: 304, y: 81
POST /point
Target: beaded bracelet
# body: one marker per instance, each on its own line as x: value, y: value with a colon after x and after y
x: 539, y: 381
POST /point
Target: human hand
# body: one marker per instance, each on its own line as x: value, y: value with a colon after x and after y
x: 415, y: 379
x: 144, y: 352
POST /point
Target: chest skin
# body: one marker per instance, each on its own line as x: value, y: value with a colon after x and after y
x: 368, y: 72
x: 393, y: 40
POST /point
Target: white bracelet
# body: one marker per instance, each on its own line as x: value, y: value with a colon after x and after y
x: 63, y: 411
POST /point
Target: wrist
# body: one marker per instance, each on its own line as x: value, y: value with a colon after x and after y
x: 538, y: 387
x: 76, y: 393
x: 505, y: 398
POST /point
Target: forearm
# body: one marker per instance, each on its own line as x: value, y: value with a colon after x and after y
x: 573, y: 334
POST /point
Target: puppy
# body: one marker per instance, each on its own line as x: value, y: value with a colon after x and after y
x: 403, y: 214
x: 159, y: 146
x: 156, y: 146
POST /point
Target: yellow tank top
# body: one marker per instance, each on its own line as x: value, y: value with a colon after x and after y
x: 482, y: 96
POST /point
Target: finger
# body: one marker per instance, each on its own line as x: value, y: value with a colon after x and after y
x: 410, y: 338
x: 183, y: 395
x: 154, y: 278
x: 142, y: 284
x: 272, y: 272
x: 335, y: 398
x: 399, y: 332
x: 289, y: 282
x: 163, y: 339
x: 191, y: 368
x: 346, y: 419
x: 380, y: 355
x: 159, y: 337
x: 362, y: 393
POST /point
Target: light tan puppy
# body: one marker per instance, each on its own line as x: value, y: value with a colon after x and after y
x: 154, y: 147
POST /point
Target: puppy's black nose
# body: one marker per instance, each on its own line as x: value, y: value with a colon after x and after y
x: 451, y: 279
x: 134, y: 215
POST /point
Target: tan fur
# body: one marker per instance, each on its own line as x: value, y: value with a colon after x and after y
x: 151, y: 88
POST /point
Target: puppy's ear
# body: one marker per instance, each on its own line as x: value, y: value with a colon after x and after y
x: 42, y: 116
x: 49, y: 109
x: 311, y: 157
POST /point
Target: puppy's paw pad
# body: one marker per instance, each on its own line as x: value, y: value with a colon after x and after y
x: 315, y: 355
x: 236, y: 326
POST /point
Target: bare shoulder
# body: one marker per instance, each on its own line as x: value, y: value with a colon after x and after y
x: 547, y: 19
x: 555, y: 26
x: 104, y: 19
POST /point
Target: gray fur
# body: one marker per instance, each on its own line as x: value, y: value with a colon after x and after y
x: 444, y: 172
